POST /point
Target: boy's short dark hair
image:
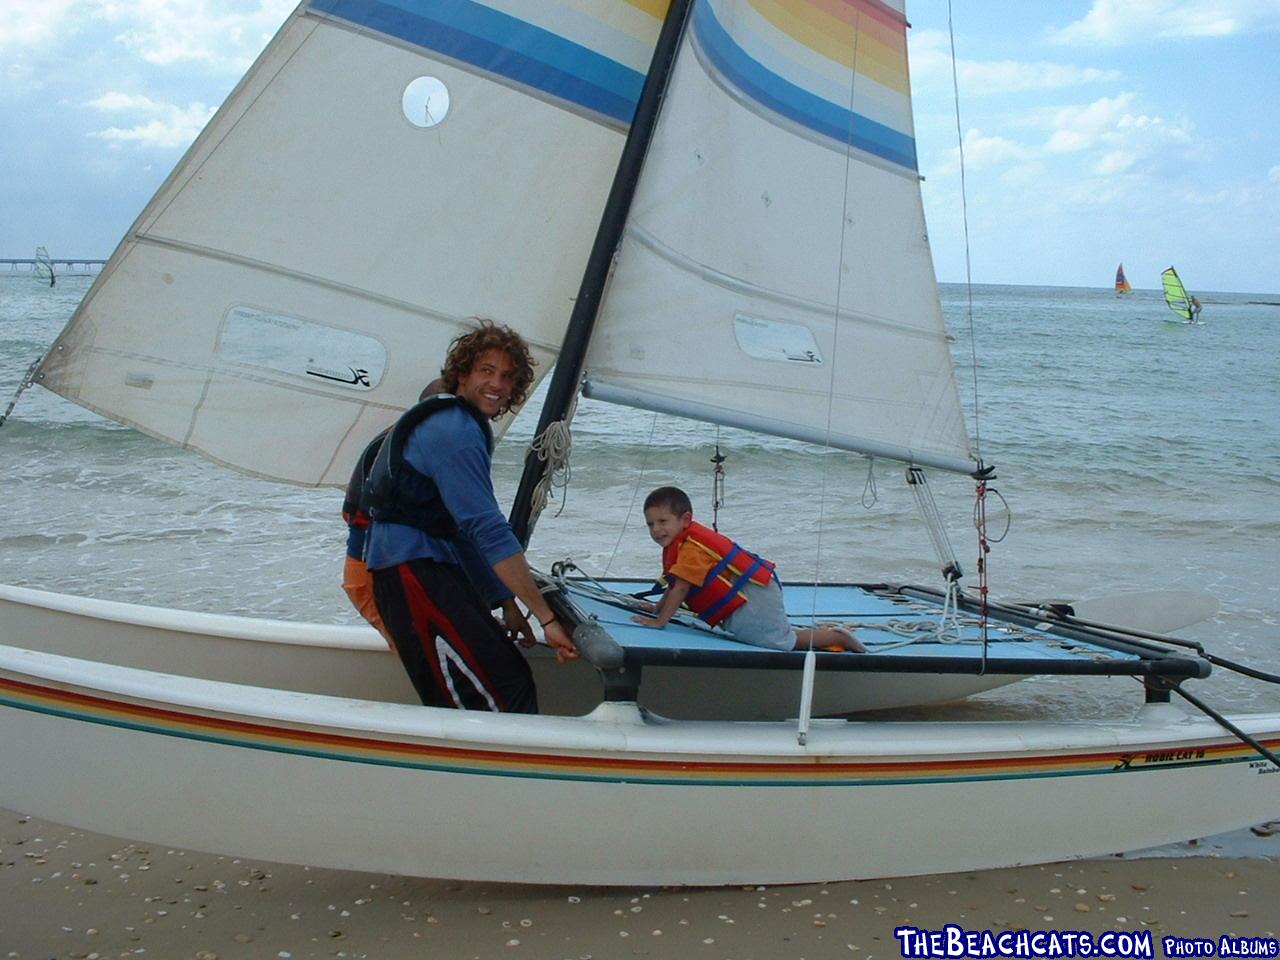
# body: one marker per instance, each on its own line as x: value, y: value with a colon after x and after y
x: 673, y: 498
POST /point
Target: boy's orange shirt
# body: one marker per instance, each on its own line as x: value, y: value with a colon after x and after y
x: 693, y: 563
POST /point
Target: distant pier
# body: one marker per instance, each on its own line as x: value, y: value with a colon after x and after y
x: 69, y: 264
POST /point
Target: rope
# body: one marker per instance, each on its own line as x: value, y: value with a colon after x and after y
x: 951, y: 611
x: 920, y: 630
x: 918, y: 483
x: 870, y: 497
x: 27, y: 380
x: 596, y: 590
x: 552, y: 446
x: 717, y: 483
x: 1008, y: 515
x: 980, y: 516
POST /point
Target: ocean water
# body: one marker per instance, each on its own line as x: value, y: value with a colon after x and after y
x: 1134, y: 455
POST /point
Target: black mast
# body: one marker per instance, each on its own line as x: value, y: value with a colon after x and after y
x: 573, y: 352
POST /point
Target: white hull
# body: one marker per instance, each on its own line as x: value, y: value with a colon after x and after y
x: 353, y: 661
x: 606, y: 799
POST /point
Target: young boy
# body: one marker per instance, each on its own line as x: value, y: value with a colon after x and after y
x: 722, y: 583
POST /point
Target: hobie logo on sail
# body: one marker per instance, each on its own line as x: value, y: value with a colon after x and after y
x: 776, y: 340
x: 351, y: 376
x: 301, y: 348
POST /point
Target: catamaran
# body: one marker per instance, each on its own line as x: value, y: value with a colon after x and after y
x: 1176, y: 298
x: 1122, y: 282
x: 601, y: 176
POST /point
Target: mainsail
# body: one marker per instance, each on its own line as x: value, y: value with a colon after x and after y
x: 1175, y: 295
x: 301, y: 272
x: 775, y: 273
x: 1122, y: 282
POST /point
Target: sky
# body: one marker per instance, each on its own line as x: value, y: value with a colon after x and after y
x: 1094, y: 131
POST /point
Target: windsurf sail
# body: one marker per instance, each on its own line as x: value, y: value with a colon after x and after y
x: 42, y: 270
x: 1122, y: 282
x: 1177, y: 298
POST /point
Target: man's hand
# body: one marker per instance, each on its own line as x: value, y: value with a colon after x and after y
x: 518, y: 629
x: 559, y: 640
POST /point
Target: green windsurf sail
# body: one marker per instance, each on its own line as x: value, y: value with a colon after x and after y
x: 1177, y: 298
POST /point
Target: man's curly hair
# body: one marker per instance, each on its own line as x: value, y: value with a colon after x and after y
x: 469, y: 347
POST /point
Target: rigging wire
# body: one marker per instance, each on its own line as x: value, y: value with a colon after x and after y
x: 1224, y: 723
x: 717, y: 483
x: 809, y: 677
x: 28, y: 379
x: 980, y: 508
x: 635, y: 495
x: 964, y: 210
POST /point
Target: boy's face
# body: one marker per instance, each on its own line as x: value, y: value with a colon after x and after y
x: 664, y: 525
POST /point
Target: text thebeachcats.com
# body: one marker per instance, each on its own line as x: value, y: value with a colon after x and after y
x: 954, y: 943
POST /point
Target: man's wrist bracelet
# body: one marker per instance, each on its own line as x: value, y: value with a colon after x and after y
x: 547, y: 622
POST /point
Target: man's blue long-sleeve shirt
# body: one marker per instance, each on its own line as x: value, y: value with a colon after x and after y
x: 451, y: 448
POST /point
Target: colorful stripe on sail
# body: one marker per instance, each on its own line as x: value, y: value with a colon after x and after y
x: 834, y: 68
x: 442, y: 756
x: 565, y: 50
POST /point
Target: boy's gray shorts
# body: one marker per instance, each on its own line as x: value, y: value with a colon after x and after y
x: 762, y: 620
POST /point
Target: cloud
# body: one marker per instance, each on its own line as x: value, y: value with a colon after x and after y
x: 1011, y: 76
x: 23, y: 26
x: 115, y: 100
x: 1115, y: 162
x: 1125, y: 22
x: 982, y: 151
x: 158, y: 124
x: 1107, y: 138
x: 221, y: 34
x: 1112, y: 124
x: 931, y: 66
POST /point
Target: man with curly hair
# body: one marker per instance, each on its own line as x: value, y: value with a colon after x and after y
x: 442, y: 553
x: 357, y: 581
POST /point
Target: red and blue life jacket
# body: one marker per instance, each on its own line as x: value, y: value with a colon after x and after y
x: 720, y: 594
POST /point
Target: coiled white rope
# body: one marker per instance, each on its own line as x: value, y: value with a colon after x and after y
x: 552, y: 447
x: 950, y: 613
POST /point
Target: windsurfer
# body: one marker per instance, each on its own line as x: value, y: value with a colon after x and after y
x: 723, y: 583
x: 1195, y: 309
x: 441, y: 553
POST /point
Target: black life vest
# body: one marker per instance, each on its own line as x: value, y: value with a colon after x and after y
x: 351, y: 512
x: 394, y: 491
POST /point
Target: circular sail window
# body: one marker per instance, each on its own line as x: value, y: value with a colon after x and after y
x: 425, y: 102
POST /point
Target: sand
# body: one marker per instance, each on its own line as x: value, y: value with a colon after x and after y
x: 69, y: 894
